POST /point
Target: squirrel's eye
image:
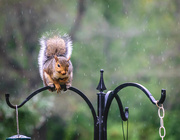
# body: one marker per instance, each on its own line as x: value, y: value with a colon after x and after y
x: 58, y: 65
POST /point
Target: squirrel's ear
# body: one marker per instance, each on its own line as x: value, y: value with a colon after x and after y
x: 56, y: 58
x: 69, y: 58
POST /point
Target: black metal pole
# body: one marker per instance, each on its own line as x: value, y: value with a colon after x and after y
x: 100, y: 107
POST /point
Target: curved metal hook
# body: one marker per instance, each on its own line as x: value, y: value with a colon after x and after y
x: 145, y: 90
x: 163, y: 97
x: 27, y: 99
x: 48, y: 87
x: 124, y: 114
x: 120, y: 87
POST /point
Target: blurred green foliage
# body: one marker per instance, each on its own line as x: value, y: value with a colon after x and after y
x: 133, y: 41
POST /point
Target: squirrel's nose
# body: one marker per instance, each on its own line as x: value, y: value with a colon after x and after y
x: 63, y: 72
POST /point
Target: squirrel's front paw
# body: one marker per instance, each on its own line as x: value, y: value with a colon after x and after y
x: 58, y: 88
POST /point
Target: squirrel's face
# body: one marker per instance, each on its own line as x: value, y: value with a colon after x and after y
x: 61, y: 66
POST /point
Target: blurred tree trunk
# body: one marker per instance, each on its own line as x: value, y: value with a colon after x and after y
x: 80, y: 12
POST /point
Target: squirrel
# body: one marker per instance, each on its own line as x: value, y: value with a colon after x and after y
x: 55, y: 67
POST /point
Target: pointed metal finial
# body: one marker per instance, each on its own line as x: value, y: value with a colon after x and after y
x: 101, y: 86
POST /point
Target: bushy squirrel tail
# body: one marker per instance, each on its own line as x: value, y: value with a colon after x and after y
x: 52, y: 45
